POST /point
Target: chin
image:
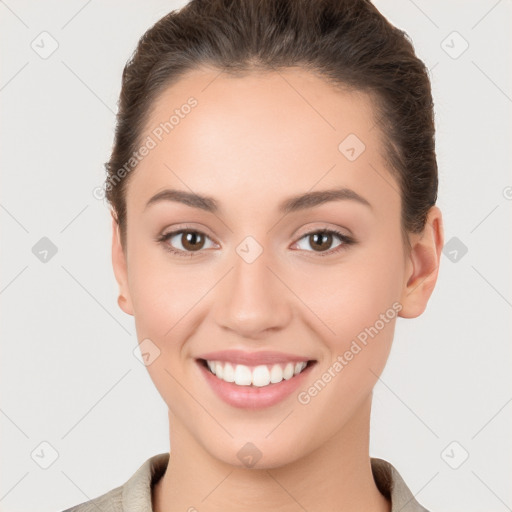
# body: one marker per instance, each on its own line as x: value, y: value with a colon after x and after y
x: 254, y: 453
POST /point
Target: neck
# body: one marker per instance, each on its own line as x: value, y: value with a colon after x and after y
x: 335, y: 476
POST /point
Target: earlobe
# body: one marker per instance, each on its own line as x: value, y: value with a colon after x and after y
x: 423, y: 265
x: 120, y: 269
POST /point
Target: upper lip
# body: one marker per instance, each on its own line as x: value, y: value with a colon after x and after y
x: 252, y: 358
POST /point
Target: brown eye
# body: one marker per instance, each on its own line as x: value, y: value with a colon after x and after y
x: 321, y: 241
x: 184, y: 242
x: 192, y: 240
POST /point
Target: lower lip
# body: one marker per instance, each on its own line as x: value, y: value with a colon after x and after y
x: 254, y: 397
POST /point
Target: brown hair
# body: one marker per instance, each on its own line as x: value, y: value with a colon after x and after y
x: 349, y: 43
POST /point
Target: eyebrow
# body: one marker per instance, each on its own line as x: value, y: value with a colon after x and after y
x: 290, y: 205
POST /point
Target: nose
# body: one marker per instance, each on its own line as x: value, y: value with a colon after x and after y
x: 252, y: 299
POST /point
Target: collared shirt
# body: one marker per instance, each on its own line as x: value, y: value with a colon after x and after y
x: 135, y: 494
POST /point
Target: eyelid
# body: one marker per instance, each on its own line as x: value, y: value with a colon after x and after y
x: 188, y: 227
x: 297, y: 236
x: 165, y: 235
x: 346, y: 241
x: 317, y: 227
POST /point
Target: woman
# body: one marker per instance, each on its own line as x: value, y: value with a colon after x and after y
x: 273, y: 184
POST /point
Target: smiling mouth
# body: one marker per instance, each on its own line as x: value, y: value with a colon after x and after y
x: 255, y: 376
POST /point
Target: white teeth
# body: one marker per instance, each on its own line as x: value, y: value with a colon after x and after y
x: 259, y: 376
x: 288, y: 371
x: 276, y: 374
x: 243, y: 375
x: 229, y: 373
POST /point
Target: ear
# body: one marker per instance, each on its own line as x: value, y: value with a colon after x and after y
x: 422, y: 265
x: 120, y: 268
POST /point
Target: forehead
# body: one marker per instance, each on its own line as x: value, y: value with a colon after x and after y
x: 259, y: 104
x: 285, y: 130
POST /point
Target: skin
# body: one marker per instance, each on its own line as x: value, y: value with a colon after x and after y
x: 250, y: 143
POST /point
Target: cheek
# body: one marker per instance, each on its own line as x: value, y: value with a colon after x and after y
x: 355, y: 308
x: 350, y: 295
x: 355, y: 305
x: 168, y: 301
x: 164, y: 294
x: 171, y: 299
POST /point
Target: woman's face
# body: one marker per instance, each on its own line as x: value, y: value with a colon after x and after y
x: 257, y: 277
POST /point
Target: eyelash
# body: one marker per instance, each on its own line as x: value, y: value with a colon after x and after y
x: 347, y: 241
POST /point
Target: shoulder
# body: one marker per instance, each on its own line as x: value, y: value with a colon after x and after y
x: 391, y: 484
x: 134, y: 494
x: 111, y: 501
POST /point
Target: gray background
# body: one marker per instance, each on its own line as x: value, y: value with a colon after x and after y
x: 75, y: 398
